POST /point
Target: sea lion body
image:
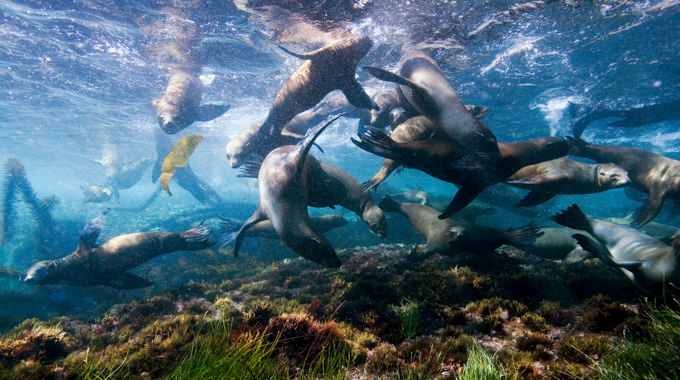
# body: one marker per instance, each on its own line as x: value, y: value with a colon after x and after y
x: 554, y: 244
x: 109, y: 263
x: 330, y: 185
x: 131, y: 173
x: 282, y: 180
x: 180, y: 105
x: 566, y: 176
x: 327, y: 69
x: 429, y: 92
x: 97, y: 194
x: 646, y: 261
x: 649, y: 172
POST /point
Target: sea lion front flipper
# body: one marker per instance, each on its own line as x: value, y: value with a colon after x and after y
x: 287, y: 133
x: 389, y: 76
x: 250, y: 169
x: 535, y: 198
x: 89, y: 234
x: 229, y: 228
x: 357, y: 97
x: 257, y: 217
x: 464, y: 197
x: 207, y: 112
x: 577, y: 255
x: 589, y: 244
x: 305, y: 56
x: 649, y: 210
x: 305, y: 145
x: 129, y: 280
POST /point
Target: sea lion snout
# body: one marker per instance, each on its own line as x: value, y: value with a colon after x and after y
x: 613, y: 175
x: 168, y: 124
x: 37, y: 273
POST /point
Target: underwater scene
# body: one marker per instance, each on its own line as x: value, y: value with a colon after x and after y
x: 349, y: 189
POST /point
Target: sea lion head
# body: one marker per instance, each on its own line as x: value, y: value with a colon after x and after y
x: 477, y: 111
x: 171, y: 122
x: 41, y: 273
x: 422, y: 197
x: 375, y: 218
x: 398, y: 116
x: 237, y: 152
x: 611, y: 176
x: 454, y: 235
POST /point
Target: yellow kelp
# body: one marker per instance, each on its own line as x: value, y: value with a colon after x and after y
x: 178, y: 157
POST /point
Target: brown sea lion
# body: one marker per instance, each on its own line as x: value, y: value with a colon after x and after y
x: 649, y: 172
x: 109, y: 263
x: 565, y: 176
x: 449, y: 238
x: 646, y: 261
x: 429, y: 92
x: 96, y: 194
x: 330, y: 68
x: 556, y: 244
x: 264, y: 229
x: 329, y: 185
x: 282, y: 179
x: 438, y: 156
x: 180, y: 106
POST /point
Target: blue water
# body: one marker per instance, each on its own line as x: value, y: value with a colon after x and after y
x: 76, y: 76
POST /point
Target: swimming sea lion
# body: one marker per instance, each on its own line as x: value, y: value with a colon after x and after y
x: 96, y: 194
x: 108, y: 263
x: 413, y: 195
x: 110, y: 161
x: 128, y: 175
x: 449, y: 238
x: 631, y: 118
x: 428, y: 91
x: 556, y: 244
x: 282, y: 179
x: 330, y: 68
x: 565, y: 176
x: 646, y: 261
x: 329, y: 185
x: 502, y: 196
x: 437, y: 157
x: 264, y: 229
x: 180, y: 106
x: 649, y: 172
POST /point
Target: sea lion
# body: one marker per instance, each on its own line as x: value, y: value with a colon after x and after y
x: 438, y: 156
x: 329, y: 185
x: 646, y: 261
x: 330, y: 68
x: 429, y: 92
x: 264, y: 229
x: 128, y: 175
x: 556, y: 244
x: 449, y: 238
x: 565, y: 176
x: 108, y: 263
x: 631, y: 118
x: 110, y: 161
x: 416, y: 195
x: 649, y: 172
x: 502, y: 196
x: 96, y: 194
x: 282, y: 179
x: 180, y: 106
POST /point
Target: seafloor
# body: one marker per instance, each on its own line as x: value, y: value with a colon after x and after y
x: 489, y: 315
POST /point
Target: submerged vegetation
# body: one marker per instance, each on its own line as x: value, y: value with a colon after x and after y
x: 293, y: 319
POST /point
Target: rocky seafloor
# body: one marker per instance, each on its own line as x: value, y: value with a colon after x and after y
x: 494, y: 315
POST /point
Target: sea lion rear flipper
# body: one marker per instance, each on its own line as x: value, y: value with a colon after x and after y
x: 207, y: 112
x: 526, y: 234
x: 199, y: 237
x: 577, y: 255
x: 228, y: 230
x: 128, y: 280
x: 377, y: 142
x: 574, y: 218
x: 357, y: 97
x: 649, y: 210
x: 257, y: 217
x: 535, y: 198
x: 464, y: 197
x: 89, y: 234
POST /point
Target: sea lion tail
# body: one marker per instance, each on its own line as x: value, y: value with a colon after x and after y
x: 573, y: 217
x: 228, y: 230
x: 199, y: 237
x: 388, y: 204
x: 526, y: 234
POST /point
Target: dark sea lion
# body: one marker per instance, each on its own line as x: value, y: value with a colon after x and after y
x: 649, y: 172
x: 180, y: 106
x: 264, y: 229
x: 449, y: 238
x: 631, y: 118
x: 329, y: 185
x: 646, y: 261
x: 330, y: 68
x: 96, y: 194
x: 282, y: 179
x: 429, y: 92
x: 109, y: 263
x: 437, y: 157
x: 565, y: 176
